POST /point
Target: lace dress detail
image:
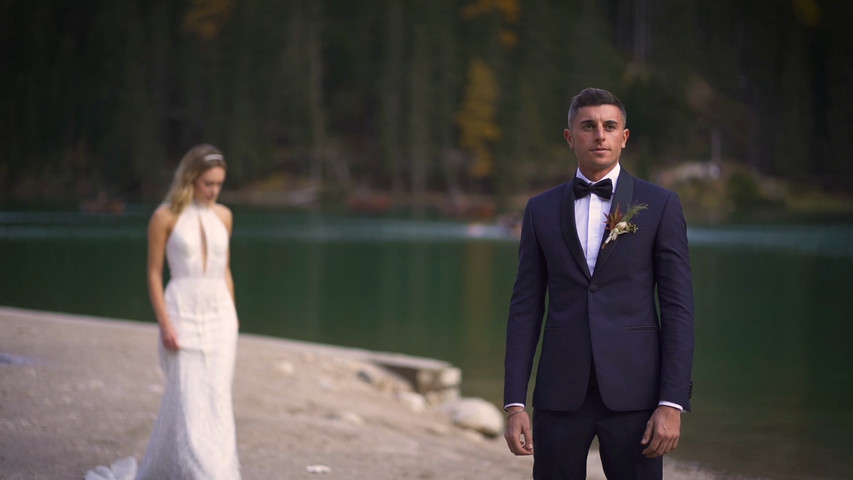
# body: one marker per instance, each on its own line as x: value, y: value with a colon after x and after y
x: 193, y: 435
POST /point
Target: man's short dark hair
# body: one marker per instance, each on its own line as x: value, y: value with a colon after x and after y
x: 593, y: 97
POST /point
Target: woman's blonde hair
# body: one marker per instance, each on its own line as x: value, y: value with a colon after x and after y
x: 198, y: 160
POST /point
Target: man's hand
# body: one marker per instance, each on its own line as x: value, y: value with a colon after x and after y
x: 519, y: 434
x: 662, y: 432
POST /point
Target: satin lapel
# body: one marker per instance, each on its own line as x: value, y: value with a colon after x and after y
x: 570, y: 229
x: 623, y: 197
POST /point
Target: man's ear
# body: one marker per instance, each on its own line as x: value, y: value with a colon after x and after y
x: 567, y: 134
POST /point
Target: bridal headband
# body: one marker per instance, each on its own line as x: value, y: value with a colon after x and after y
x: 213, y: 156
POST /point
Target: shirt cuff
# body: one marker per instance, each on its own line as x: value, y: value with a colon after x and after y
x: 506, y: 407
x: 670, y: 404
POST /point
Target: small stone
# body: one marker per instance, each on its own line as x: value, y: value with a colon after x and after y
x: 449, y: 378
x: 413, y: 401
x: 317, y: 469
x: 440, y: 397
x: 348, y: 417
x: 285, y: 368
x: 367, y: 377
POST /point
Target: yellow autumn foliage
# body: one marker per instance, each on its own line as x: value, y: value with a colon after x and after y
x: 476, y: 117
x: 509, y: 9
x: 205, y: 18
x: 808, y: 11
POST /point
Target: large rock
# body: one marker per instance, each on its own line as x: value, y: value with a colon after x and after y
x: 476, y: 414
x: 436, y: 380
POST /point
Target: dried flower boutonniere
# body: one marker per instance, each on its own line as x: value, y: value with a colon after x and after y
x: 617, y: 223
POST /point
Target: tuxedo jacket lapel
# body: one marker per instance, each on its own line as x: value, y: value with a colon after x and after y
x: 623, y: 197
x: 570, y: 230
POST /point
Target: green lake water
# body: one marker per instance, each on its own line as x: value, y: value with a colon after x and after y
x: 773, y: 374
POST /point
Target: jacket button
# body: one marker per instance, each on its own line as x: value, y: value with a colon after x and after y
x: 593, y: 288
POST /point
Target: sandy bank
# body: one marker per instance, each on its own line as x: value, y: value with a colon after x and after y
x: 77, y: 391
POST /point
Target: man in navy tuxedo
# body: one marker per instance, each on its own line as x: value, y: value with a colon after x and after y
x: 617, y: 344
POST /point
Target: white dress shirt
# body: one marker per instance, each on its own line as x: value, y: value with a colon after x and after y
x: 590, y: 218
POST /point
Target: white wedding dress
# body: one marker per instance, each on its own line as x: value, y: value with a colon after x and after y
x: 194, y: 435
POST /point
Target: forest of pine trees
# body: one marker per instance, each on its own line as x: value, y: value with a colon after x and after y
x: 454, y: 96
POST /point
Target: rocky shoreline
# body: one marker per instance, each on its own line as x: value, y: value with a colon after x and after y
x: 80, y: 391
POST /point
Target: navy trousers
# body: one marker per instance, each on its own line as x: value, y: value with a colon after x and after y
x: 562, y: 441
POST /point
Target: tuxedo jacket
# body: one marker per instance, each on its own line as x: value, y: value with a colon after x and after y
x: 632, y: 318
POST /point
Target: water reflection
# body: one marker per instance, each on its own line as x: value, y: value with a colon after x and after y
x: 831, y: 240
x: 774, y: 380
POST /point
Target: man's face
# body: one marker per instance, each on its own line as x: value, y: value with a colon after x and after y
x: 597, y: 135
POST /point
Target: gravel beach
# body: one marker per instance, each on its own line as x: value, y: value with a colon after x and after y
x: 77, y: 392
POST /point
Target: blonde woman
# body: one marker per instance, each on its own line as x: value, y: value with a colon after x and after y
x: 194, y: 436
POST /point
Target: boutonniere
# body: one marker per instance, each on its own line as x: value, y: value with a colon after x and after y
x: 617, y: 223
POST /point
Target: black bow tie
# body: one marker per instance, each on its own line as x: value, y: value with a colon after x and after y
x: 603, y: 189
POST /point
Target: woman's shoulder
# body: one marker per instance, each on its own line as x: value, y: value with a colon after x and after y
x: 163, y: 216
x: 220, y: 208
x: 222, y: 211
x: 164, y: 210
x: 225, y: 214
